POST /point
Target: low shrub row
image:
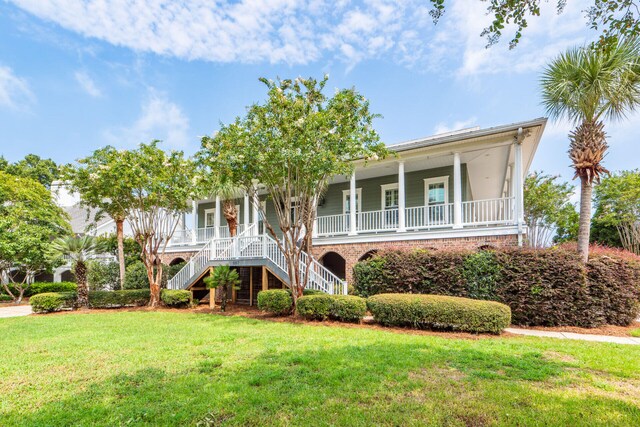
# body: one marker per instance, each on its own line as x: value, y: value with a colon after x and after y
x: 344, y: 308
x: 42, y: 287
x: 56, y: 301
x: 550, y: 287
x: 439, y: 312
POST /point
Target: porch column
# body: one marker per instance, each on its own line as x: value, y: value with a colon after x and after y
x: 401, y: 198
x: 352, y: 205
x: 457, y: 192
x: 245, y: 210
x: 194, y: 213
x: 216, y: 222
x: 254, y: 213
x: 517, y: 184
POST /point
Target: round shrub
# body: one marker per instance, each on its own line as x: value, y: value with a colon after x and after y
x: 176, y: 297
x: 46, y: 287
x: 136, y: 277
x: 103, y: 276
x: 52, y: 301
x: 348, y: 308
x: 315, y: 307
x: 275, y: 301
x: 439, y: 312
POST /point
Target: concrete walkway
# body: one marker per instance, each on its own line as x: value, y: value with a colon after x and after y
x: 574, y: 336
x: 15, y: 311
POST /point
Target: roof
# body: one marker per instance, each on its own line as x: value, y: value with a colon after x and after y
x: 461, y: 135
x: 82, y: 218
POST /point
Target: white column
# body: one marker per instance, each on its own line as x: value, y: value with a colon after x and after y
x: 194, y: 213
x: 216, y: 222
x: 401, y: 198
x: 254, y: 205
x: 352, y: 205
x: 517, y: 183
x: 246, y: 210
x: 457, y: 192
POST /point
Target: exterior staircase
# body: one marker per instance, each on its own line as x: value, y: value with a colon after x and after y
x: 252, y: 249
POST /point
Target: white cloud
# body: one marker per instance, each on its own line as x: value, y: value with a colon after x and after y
x: 87, y: 84
x: 159, y: 119
x: 300, y: 32
x: 443, y: 127
x: 14, y: 91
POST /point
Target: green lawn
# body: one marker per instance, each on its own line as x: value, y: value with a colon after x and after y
x: 163, y: 368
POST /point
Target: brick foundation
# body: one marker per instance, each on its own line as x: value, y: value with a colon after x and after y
x: 169, y: 257
x: 353, y: 252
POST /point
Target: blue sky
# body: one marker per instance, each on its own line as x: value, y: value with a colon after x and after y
x: 76, y: 75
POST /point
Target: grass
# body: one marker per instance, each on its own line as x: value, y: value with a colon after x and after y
x: 167, y: 368
x: 635, y: 333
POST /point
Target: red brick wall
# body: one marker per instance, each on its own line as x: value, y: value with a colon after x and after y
x: 170, y: 256
x: 352, y: 252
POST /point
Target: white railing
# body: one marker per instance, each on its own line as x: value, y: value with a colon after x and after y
x: 488, y: 212
x: 202, y: 235
x: 474, y: 213
x: 258, y: 247
x: 426, y: 217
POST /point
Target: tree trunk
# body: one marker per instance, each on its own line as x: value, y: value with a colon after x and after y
x: 154, y: 299
x: 120, y: 238
x: 81, y: 280
x: 231, y: 215
x: 586, y: 189
x: 20, y: 296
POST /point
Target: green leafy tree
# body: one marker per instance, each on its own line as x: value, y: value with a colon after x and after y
x: 548, y: 211
x: 29, y: 220
x: 614, y: 18
x: 98, y: 180
x: 586, y: 86
x: 226, y: 279
x: 617, y: 202
x: 79, y: 250
x: 45, y: 171
x: 161, y: 185
x: 289, y: 147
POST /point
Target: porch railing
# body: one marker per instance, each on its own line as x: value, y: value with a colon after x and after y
x: 202, y: 235
x: 474, y: 213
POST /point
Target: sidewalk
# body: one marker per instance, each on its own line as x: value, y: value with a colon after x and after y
x: 15, y: 311
x: 574, y: 336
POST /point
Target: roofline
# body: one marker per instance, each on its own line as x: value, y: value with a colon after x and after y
x: 462, y: 135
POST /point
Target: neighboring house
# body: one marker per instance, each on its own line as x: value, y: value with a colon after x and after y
x: 460, y: 190
x: 83, y: 221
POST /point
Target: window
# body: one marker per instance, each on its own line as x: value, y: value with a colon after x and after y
x: 346, y: 201
x: 436, y: 200
x: 209, y: 217
x: 390, y: 203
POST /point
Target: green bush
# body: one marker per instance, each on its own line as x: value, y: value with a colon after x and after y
x: 136, y: 276
x: 4, y: 297
x: 103, y: 276
x: 315, y: 307
x: 345, y: 308
x: 116, y: 299
x: 176, y: 298
x: 275, y: 301
x: 47, y: 287
x: 550, y: 287
x: 52, y: 301
x: 348, y: 308
x: 439, y: 312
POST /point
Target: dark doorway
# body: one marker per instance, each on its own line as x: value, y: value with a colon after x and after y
x: 335, y: 263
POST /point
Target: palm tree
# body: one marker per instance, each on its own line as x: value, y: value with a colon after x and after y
x: 225, y: 278
x: 228, y: 193
x: 588, y: 85
x: 79, y: 250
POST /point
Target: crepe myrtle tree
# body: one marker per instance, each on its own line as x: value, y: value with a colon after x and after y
x: 287, y: 149
x: 160, y: 186
x: 29, y: 221
x: 97, y: 179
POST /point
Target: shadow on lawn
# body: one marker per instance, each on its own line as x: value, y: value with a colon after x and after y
x: 383, y: 384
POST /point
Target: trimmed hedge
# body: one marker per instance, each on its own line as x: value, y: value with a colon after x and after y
x: 116, y: 299
x: 4, y: 298
x: 315, y: 307
x: 275, y: 301
x: 52, y: 301
x: 176, y: 297
x: 439, y: 312
x: 345, y: 308
x: 43, y: 287
x: 550, y: 287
